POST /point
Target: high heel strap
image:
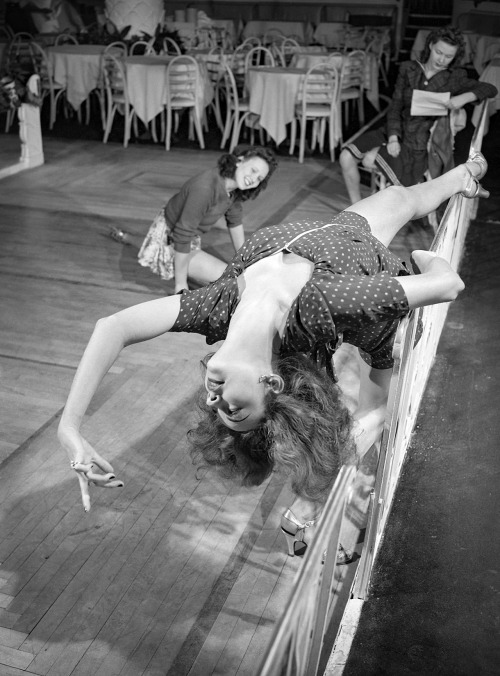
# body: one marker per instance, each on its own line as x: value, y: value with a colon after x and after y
x: 473, y: 187
x: 478, y: 157
x: 290, y: 517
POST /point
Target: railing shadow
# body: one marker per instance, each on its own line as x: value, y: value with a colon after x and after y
x: 298, y: 638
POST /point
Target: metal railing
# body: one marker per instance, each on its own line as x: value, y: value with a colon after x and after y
x: 412, y: 365
x: 295, y: 647
x: 298, y: 638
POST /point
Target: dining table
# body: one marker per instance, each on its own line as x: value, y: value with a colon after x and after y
x: 77, y: 68
x: 272, y: 96
x: 309, y: 59
x: 147, y: 85
x: 187, y: 30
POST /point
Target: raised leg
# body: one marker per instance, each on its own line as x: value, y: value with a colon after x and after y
x: 389, y: 210
x: 205, y: 268
x: 352, y: 178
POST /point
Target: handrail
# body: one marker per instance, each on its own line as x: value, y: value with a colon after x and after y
x: 295, y: 646
x: 412, y: 365
x: 297, y: 641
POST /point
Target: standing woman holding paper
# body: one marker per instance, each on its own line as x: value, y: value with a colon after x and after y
x: 400, y: 150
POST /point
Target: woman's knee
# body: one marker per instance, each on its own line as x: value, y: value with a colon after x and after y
x: 347, y: 159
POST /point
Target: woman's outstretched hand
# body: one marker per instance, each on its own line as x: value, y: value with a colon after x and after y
x: 90, y: 467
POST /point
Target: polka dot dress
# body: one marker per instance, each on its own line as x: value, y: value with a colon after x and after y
x: 352, y: 295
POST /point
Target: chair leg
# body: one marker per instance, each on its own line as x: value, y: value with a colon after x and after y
x: 293, y: 135
x: 302, y: 144
x: 109, y: 123
x: 194, y: 117
x: 168, y: 132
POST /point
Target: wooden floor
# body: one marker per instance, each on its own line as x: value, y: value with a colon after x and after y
x: 178, y: 572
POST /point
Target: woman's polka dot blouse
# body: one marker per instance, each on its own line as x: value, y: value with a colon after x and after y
x: 352, y: 294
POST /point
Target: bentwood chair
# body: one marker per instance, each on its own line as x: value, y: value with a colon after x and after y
x: 17, y: 59
x: 142, y: 47
x: 65, y: 39
x: 353, y: 81
x: 170, y: 46
x: 237, y: 111
x: 48, y: 87
x: 117, y: 101
x: 184, y: 92
x: 318, y: 104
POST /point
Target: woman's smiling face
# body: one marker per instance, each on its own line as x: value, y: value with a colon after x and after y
x: 250, y: 172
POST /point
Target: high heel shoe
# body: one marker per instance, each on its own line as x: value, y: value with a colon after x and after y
x: 294, y: 532
x: 473, y: 187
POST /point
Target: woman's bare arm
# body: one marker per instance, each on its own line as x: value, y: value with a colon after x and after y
x: 111, y: 334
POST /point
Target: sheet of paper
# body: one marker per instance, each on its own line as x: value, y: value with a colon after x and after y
x: 429, y: 103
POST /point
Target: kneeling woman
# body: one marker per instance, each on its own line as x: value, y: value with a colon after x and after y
x: 282, y: 303
x: 172, y: 246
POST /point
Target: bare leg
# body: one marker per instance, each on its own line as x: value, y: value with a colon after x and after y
x: 350, y: 172
x: 389, y: 210
x: 205, y: 268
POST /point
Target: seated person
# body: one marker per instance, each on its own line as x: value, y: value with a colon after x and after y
x: 400, y: 150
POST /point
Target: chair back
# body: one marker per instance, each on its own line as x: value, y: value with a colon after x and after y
x: 230, y: 85
x: 116, y: 48
x: 115, y: 80
x: 321, y: 87
x: 142, y: 47
x: 252, y: 41
x: 288, y: 48
x: 259, y: 56
x: 353, y: 71
x: 65, y: 39
x: 41, y: 67
x: 18, y: 54
x: 170, y: 46
x: 273, y: 36
x: 183, y: 82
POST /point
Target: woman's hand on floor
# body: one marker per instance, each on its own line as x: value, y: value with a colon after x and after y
x: 89, y: 465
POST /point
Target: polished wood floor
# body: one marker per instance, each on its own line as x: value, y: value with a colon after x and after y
x: 178, y: 572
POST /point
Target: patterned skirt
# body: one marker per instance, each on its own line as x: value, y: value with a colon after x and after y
x: 157, y: 250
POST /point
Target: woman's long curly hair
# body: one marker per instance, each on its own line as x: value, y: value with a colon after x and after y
x: 452, y: 36
x: 306, y: 434
x: 228, y: 162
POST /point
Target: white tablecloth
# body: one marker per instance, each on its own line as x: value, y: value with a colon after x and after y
x: 273, y: 92
x: 147, y: 85
x: 307, y: 60
x: 300, y: 30
x: 77, y: 68
x: 187, y: 29
x: 486, y: 48
x: 490, y: 74
x: 336, y: 35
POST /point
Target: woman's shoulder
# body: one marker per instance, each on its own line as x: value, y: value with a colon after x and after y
x: 409, y: 67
